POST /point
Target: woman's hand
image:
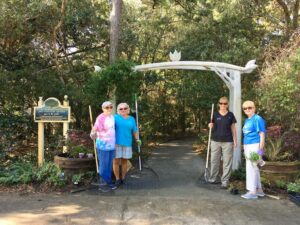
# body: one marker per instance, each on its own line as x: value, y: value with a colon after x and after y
x: 210, y: 125
x: 93, y: 134
x: 139, y: 142
x: 234, y: 144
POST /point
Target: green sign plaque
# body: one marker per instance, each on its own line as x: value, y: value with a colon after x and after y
x: 52, y: 111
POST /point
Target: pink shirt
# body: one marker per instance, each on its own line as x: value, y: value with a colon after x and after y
x: 105, y: 127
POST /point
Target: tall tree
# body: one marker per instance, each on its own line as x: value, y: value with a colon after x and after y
x: 281, y: 15
x: 115, y: 19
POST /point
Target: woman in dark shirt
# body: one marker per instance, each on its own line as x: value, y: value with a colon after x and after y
x: 223, y: 142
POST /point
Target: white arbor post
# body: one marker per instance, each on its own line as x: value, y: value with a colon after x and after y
x: 230, y: 75
x: 236, y: 105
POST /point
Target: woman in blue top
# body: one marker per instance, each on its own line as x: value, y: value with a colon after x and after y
x: 125, y: 129
x: 254, y: 132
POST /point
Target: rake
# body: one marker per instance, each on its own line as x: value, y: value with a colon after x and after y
x: 206, y: 172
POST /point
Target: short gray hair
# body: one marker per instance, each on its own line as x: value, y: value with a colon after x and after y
x: 122, y: 104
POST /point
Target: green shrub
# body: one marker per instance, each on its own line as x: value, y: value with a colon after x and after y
x: 17, y: 173
x: 264, y: 181
x: 280, y: 184
x: 272, y: 149
x: 50, y: 174
x: 25, y: 173
x: 294, y: 187
x: 74, y: 151
x: 17, y: 128
x: 77, y: 178
x: 239, y: 174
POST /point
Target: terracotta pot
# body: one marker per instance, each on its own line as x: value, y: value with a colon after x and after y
x: 286, y: 171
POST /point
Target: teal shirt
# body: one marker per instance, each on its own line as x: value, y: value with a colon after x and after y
x: 124, y: 130
x: 252, y: 127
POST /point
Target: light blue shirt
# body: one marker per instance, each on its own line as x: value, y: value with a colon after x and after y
x: 124, y: 130
x: 252, y: 127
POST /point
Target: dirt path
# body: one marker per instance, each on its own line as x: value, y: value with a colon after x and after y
x: 171, y: 195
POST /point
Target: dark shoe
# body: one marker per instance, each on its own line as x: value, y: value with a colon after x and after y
x: 118, y: 183
x: 113, y: 186
x: 123, y: 181
x: 104, y: 189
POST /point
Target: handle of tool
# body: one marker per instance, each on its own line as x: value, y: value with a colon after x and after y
x: 95, y: 150
x: 209, y: 136
x: 138, y: 131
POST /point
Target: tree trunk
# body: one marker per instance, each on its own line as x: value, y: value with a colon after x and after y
x: 291, y: 14
x: 115, y: 19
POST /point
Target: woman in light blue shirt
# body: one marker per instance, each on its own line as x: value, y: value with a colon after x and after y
x: 254, y: 132
x: 125, y: 128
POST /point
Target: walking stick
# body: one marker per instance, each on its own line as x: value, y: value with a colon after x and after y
x: 95, y: 151
x: 138, y: 132
x: 206, y: 173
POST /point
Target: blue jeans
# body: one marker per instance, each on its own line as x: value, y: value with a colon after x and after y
x: 105, y: 162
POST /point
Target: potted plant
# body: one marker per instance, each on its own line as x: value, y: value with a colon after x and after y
x: 78, y: 146
x: 281, y: 155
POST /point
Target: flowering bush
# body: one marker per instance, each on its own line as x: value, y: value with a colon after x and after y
x: 79, y: 137
x: 280, y: 145
x: 274, y: 131
x: 291, y: 143
x: 78, y: 142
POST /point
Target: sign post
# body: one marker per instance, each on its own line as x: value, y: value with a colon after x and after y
x: 65, y: 124
x: 40, y: 138
x: 50, y: 111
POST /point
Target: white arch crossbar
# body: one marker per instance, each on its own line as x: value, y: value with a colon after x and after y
x: 230, y: 75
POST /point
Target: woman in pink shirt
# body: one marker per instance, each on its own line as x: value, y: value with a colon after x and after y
x: 104, y: 133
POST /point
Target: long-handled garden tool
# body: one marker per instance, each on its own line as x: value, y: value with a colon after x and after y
x: 206, y: 173
x: 138, y: 131
x: 95, y: 150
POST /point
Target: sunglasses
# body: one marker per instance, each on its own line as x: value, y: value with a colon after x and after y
x: 108, y: 107
x: 123, y: 108
x: 247, y: 108
x: 223, y: 103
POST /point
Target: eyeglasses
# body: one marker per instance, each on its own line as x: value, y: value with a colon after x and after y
x: 108, y: 107
x: 223, y: 103
x: 123, y: 108
x: 248, y: 108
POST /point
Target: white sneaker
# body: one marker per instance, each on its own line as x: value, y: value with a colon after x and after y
x: 224, y: 185
x: 260, y: 194
x: 249, y: 196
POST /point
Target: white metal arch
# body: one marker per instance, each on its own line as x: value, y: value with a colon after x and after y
x: 230, y: 75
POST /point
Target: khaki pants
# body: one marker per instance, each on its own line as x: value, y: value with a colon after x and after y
x: 219, y: 149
